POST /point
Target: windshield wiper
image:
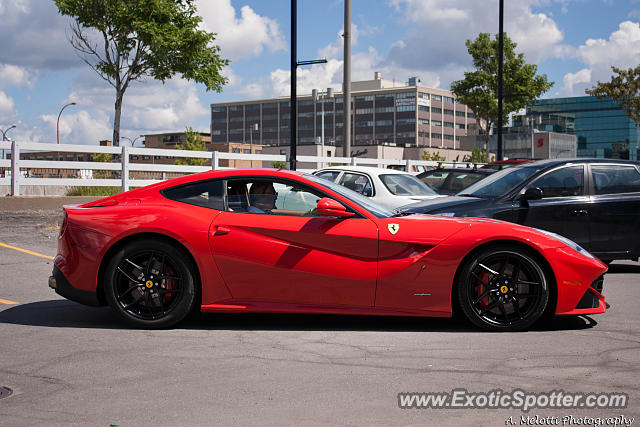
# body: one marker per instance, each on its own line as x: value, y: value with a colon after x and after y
x: 397, y: 213
x: 468, y: 195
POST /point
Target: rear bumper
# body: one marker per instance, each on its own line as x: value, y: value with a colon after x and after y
x: 61, y: 285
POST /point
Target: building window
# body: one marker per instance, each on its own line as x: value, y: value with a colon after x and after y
x: 384, y: 96
x: 447, y: 99
x: 436, y: 110
x: 448, y: 112
x: 448, y: 124
x: 436, y: 97
x: 460, y: 114
x: 235, y: 108
x: 364, y: 111
x: 402, y: 108
x: 384, y: 110
x: 383, y: 123
x: 423, y: 122
x: 402, y: 95
x: 460, y: 126
x: 250, y: 107
x: 448, y: 137
x: 471, y: 115
x: 423, y: 95
x: 220, y: 109
x: 406, y: 121
x: 436, y: 123
x: 423, y: 108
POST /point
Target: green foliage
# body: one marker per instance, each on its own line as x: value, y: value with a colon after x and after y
x: 478, y: 155
x: 279, y: 164
x: 99, y: 174
x: 436, y: 157
x: 479, y: 88
x: 624, y: 88
x: 193, y: 142
x: 93, y: 191
x: 132, y: 40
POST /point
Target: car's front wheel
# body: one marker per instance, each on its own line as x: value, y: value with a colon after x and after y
x: 503, y: 289
x: 150, y: 284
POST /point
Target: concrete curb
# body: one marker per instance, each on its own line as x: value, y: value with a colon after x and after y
x: 22, y: 203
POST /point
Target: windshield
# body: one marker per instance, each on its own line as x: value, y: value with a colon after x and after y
x: 406, y: 185
x: 499, y: 183
x: 362, y: 201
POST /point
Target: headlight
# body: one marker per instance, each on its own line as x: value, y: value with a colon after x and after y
x: 573, y: 245
x: 445, y: 214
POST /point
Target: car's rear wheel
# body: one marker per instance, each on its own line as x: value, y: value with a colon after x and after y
x: 150, y: 284
x: 503, y: 289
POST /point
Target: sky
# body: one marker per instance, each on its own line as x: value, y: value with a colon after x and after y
x: 573, y: 42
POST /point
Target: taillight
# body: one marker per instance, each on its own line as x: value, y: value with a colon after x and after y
x: 65, y: 220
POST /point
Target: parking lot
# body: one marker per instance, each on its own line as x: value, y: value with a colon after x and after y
x: 73, y: 365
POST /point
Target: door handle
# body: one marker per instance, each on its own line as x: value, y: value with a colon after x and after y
x: 580, y: 212
x: 221, y: 231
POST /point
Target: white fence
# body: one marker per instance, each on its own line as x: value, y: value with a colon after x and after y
x: 18, y: 171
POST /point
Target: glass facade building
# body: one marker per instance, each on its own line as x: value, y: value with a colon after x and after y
x: 602, y: 127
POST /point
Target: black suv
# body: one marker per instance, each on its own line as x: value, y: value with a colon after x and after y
x: 594, y: 202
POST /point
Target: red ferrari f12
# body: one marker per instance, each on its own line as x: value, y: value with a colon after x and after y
x: 281, y: 241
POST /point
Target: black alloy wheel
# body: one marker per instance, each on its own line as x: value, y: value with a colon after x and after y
x: 503, y: 289
x: 150, y: 284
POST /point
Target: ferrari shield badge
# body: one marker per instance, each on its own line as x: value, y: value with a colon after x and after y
x: 393, y: 228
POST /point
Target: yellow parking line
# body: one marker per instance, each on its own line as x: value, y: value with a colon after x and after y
x: 6, y: 301
x: 25, y: 251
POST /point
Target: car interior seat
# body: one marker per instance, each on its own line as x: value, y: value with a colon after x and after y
x: 237, y: 197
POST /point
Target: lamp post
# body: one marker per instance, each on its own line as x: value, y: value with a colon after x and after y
x: 132, y: 141
x: 58, y: 122
x: 252, y: 128
x: 328, y: 94
x: 4, y: 136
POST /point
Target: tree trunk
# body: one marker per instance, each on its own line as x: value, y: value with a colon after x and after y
x: 116, y: 118
x: 487, y: 140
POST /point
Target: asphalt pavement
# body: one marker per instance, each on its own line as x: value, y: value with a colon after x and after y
x: 68, y: 364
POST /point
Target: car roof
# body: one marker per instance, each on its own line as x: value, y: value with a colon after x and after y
x: 365, y: 169
x: 556, y: 162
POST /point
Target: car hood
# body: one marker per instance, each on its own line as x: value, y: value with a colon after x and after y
x: 441, y: 204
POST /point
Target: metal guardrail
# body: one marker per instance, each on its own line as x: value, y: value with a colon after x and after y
x: 18, y: 169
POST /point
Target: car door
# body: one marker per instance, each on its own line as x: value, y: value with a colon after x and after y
x: 614, y: 213
x: 564, y: 207
x: 291, y: 256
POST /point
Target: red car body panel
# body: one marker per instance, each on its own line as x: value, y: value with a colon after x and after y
x: 270, y: 263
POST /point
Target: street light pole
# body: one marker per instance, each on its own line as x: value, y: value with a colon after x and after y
x: 132, y: 141
x: 58, y: 122
x: 4, y: 136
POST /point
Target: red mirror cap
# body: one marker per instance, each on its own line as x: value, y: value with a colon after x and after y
x: 330, y: 207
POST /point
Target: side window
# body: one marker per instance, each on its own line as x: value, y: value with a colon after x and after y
x: 207, y: 194
x: 262, y: 196
x: 328, y: 175
x: 358, y: 183
x: 613, y: 179
x: 561, y: 182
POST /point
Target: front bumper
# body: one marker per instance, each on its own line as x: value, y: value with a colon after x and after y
x: 592, y: 302
x: 61, y: 285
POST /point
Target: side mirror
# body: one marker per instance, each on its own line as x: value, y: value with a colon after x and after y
x: 532, y: 193
x: 332, y: 208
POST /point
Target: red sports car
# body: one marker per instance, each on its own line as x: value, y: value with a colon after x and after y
x: 282, y: 241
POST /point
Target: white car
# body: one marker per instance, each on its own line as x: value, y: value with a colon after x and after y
x: 388, y: 187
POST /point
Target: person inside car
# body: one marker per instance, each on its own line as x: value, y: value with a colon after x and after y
x: 262, y: 197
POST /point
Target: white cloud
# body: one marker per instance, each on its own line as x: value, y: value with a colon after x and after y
x: 434, y: 42
x: 243, y: 36
x: 75, y: 128
x: 33, y: 35
x: 622, y: 50
x: 570, y: 80
x: 8, y: 112
x: 16, y: 76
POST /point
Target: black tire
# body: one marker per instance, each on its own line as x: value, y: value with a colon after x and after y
x: 503, y: 288
x: 150, y: 284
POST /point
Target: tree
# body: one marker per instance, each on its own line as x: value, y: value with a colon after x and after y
x: 279, y: 164
x: 193, y: 142
x: 132, y: 40
x: 104, y: 158
x: 479, y: 88
x: 436, y: 157
x: 624, y: 88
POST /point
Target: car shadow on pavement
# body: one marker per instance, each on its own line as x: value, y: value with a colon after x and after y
x: 623, y: 268
x: 60, y: 314
x: 68, y: 314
